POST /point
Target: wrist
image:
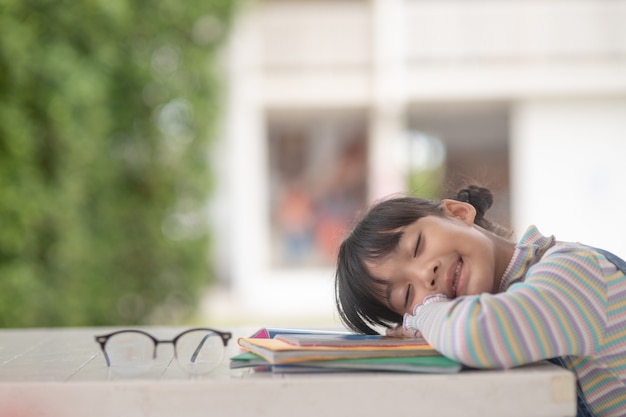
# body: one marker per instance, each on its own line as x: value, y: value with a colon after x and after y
x: 435, y: 298
x: 409, y: 321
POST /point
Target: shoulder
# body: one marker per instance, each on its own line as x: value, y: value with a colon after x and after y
x: 572, y: 273
x: 559, y: 258
x: 569, y: 259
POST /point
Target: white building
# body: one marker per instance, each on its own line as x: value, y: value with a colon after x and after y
x: 531, y: 94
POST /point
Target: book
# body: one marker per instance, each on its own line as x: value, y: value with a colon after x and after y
x: 349, y: 339
x: 276, y: 351
x: 250, y: 360
x: 411, y: 364
x: 246, y: 360
x: 414, y: 364
x: 271, y: 332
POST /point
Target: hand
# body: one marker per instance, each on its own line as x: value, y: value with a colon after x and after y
x: 400, y: 331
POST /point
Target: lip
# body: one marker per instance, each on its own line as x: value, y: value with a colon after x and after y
x: 450, y: 275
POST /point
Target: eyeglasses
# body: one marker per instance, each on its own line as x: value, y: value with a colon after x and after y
x: 197, y: 350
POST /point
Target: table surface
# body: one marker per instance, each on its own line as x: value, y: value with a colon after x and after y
x: 61, y: 373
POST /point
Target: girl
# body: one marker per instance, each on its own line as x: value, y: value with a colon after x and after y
x: 443, y: 270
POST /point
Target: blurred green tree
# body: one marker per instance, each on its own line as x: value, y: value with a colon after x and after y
x: 106, y: 113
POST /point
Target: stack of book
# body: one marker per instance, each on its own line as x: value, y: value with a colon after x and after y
x: 289, y: 350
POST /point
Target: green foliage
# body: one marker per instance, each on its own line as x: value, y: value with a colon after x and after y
x: 106, y: 109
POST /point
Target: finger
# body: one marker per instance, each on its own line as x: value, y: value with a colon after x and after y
x: 395, y: 332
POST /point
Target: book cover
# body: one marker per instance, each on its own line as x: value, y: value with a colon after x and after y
x: 246, y: 360
x: 271, y: 332
x: 350, y: 339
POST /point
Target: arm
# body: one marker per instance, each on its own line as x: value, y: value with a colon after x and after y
x: 560, y: 309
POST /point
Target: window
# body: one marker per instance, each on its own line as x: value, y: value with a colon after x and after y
x: 476, y: 140
x: 318, y: 174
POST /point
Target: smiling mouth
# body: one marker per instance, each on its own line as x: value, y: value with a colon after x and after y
x: 455, y: 280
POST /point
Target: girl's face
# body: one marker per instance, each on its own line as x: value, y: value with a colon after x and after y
x: 440, y: 255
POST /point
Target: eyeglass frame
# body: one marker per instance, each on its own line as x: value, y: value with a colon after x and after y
x: 103, y: 339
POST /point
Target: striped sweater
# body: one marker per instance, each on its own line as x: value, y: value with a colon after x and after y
x: 555, y: 299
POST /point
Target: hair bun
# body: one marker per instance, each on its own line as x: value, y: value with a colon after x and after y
x: 480, y: 198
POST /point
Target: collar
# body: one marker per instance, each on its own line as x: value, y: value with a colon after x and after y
x: 528, y: 252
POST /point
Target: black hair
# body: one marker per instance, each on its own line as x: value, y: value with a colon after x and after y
x: 359, y: 295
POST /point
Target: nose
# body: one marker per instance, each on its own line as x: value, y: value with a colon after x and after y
x: 431, y: 282
x: 429, y: 273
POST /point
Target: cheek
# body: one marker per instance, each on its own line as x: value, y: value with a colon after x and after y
x: 482, y: 272
x: 482, y: 276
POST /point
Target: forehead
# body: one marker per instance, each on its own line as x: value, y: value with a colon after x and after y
x: 381, y: 284
x: 382, y: 269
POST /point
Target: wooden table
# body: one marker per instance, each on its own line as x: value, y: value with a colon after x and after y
x: 62, y: 373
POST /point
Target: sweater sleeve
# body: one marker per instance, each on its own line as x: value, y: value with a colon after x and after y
x: 560, y: 309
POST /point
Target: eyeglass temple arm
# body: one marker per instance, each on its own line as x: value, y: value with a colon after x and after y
x: 196, y: 352
x: 225, y: 337
x: 101, y: 341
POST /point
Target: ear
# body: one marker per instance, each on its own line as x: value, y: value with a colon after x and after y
x: 459, y: 210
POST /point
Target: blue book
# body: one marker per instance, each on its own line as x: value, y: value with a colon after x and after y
x: 347, y: 339
x: 271, y: 332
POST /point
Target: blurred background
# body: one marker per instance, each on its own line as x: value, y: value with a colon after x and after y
x: 199, y: 161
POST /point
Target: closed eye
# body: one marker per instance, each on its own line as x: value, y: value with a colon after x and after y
x: 406, y: 297
x: 417, y: 244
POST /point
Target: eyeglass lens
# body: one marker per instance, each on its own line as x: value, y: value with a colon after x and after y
x: 130, y: 353
x: 198, y: 351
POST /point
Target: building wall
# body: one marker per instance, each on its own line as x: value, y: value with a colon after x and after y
x: 568, y: 170
x: 554, y: 70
